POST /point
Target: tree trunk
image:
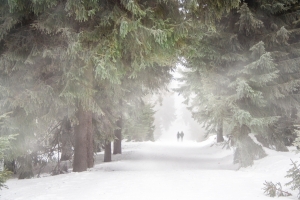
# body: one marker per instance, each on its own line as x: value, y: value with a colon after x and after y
x: 90, y: 139
x: 26, y: 169
x: 107, y: 151
x: 118, y: 140
x: 83, y: 151
x: 220, y: 132
x: 66, y: 143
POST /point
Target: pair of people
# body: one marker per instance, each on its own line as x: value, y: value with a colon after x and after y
x: 180, y: 136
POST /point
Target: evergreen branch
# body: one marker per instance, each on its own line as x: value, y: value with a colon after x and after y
x: 273, y: 190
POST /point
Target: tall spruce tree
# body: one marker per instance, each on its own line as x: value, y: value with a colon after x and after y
x: 128, y: 100
x: 57, y: 54
x: 132, y: 92
x: 245, y: 74
x: 138, y: 122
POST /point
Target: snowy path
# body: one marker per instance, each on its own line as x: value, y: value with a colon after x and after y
x: 159, y: 171
x: 162, y: 156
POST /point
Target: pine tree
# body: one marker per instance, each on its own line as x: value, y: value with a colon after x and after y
x: 204, y: 78
x: 139, y: 123
x: 245, y: 74
x: 71, y: 50
x: 294, y: 173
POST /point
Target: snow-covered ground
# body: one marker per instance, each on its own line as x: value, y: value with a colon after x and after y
x: 161, y: 171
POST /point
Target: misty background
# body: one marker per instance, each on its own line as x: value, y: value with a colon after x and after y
x: 172, y: 116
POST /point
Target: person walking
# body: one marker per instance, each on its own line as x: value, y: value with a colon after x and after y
x: 178, y: 136
x: 181, y: 135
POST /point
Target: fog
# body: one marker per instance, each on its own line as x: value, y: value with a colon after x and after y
x: 173, y: 116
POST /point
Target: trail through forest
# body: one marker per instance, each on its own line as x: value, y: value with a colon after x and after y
x: 160, y: 170
x: 175, y: 156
